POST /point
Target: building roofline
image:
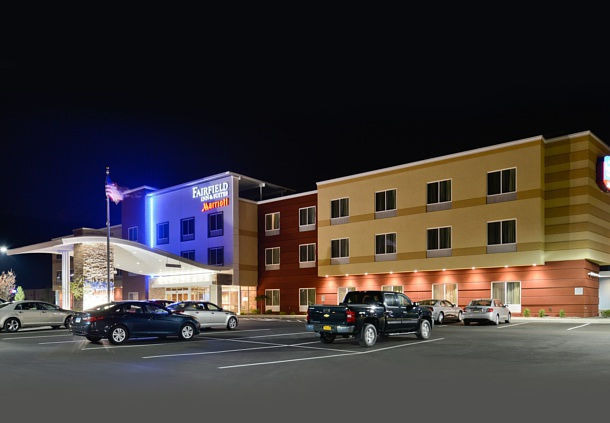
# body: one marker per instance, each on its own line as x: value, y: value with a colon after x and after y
x: 578, y: 135
x: 287, y: 197
x: 129, y: 191
x: 434, y: 159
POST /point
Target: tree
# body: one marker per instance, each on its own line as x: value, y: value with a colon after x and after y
x: 7, y: 284
x: 20, y: 295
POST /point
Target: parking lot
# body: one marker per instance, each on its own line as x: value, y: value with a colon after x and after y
x: 277, y: 362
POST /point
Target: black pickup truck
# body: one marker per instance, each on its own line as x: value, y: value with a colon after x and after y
x: 368, y: 314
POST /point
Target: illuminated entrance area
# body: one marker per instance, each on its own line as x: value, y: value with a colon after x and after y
x: 187, y: 294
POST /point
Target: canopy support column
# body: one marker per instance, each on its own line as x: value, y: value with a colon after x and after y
x: 65, y: 279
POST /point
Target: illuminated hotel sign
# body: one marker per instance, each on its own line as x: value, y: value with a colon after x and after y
x: 603, y: 173
x: 214, y: 204
x: 211, y: 192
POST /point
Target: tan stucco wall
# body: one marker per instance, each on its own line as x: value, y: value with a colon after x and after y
x: 248, y: 243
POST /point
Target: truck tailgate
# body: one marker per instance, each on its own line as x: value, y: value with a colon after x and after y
x: 321, y: 314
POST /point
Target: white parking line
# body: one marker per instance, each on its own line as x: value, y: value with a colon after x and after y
x: 328, y: 356
x: 270, y: 336
x: 232, y: 331
x: 581, y: 326
x: 59, y: 342
x: 32, y: 337
x: 512, y: 326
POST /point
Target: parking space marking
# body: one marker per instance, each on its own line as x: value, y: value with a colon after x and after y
x: 33, y: 337
x: 264, y: 363
x: 581, y: 326
x: 233, y: 331
x: 58, y: 342
x: 512, y: 325
x: 270, y: 336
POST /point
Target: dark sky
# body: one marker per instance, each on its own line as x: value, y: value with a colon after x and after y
x: 314, y: 97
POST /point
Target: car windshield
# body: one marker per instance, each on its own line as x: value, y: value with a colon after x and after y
x: 4, y: 305
x: 480, y: 303
x: 427, y: 302
x: 355, y: 297
x: 102, y: 307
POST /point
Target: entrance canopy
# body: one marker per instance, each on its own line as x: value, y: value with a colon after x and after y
x: 129, y: 256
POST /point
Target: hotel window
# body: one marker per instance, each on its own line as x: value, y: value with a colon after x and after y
x: 187, y: 229
x: 132, y: 296
x: 502, y: 185
x: 445, y: 291
x: 272, y: 299
x: 307, y: 297
x: 272, y: 258
x: 385, y: 204
x: 307, y: 219
x: 502, y: 236
x: 132, y: 233
x: 439, y: 242
x: 189, y: 254
x: 307, y: 255
x: 163, y: 233
x: 216, y: 256
x: 339, y: 251
x: 392, y: 288
x: 508, y: 293
x: 342, y: 292
x: 215, y: 224
x: 439, y: 195
x: 272, y: 223
x: 339, y: 211
x: 385, y: 247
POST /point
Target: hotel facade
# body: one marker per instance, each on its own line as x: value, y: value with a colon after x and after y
x: 527, y: 222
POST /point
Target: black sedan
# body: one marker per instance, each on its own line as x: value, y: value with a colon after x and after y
x: 119, y: 321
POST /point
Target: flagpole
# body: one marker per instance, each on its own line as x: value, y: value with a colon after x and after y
x: 108, y: 238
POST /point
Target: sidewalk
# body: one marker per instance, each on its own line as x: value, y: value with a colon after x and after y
x: 582, y: 320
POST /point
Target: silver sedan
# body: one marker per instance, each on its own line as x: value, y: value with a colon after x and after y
x: 18, y: 314
x: 443, y: 309
x: 486, y: 310
x: 208, y: 314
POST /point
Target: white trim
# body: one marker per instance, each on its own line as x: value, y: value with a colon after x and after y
x: 384, y: 243
x: 501, y: 243
x: 287, y: 197
x: 331, y: 248
x: 501, y: 170
x: 439, y: 240
x: 303, y: 308
x: 272, y: 221
x: 314, y: 253
x: 439, y: 191
x: 577, y: 135
x: 279, y: 256
x: 273, y: 307
x: 308, y: 226
x: 331, y: 208
x: 129, y: 191
x: 432, y: 160
x: 385, y: 197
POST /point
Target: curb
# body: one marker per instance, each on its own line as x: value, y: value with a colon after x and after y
x: 582, y: 320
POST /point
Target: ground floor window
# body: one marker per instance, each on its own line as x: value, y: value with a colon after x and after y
x: 342, y: 292
x: 272, y: 300
x: 248, y: 299
x: 307, y: 297
x: 132, y: 296
x: 392, y: 288
x: 187, y: 294
x: 445, y: 291
x: 508, y: 293
x: 230, y: 298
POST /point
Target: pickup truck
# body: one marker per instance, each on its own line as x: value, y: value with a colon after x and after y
x: 366, y: 315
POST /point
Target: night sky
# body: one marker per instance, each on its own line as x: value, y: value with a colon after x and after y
x: 292, y: 103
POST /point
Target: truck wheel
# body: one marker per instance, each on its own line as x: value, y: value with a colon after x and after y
x: 368, y: 335
x: 327, y: 338
x: 424, y: 330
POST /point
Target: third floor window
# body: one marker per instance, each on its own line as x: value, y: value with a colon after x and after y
x: 339, y: 208
x: 385, y: 200
x: 502, y: 181
x: 272, y: 223
x: 439, y: 192
x: 187, y: 229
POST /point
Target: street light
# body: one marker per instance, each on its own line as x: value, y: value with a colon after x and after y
x: 3, y: 249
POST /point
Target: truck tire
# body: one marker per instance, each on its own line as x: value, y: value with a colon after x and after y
x: 368, y: 335
x: 327, y: 338
x: 424, y: 329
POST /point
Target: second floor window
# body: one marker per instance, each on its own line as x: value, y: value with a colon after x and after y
x: 307, y: 253
x: 187, y: 229
x: 385, y: 200
x: 215, y: 224
x: 163, y: 233
x: 385, y: 243
x: 503, y: 232
x: 189, y: 254
x: 307, y: 216
x: 339, y: 208
x: 272, y: 222
x: 339, y: 248
x: 272, y: 256
x: 132, y: 233
x: 216, y: 256
x: 439, y: 238
x: 502, y: 181
x: 439, y: 192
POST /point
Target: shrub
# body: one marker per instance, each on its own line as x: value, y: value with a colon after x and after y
x: 605, y: 313
x: 254, y: 311
x: 526, y: 312
x: 562, y: 313
x: 541, y: 313
x: 268, y: 311
x: 292, y: 313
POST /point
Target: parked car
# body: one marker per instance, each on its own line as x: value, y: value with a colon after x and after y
x: 119, y: 321
x: 486, y: 310
x: 443, y: 309
x: 366, y: 315
x: 161, y: 303
x: 208, y: 314
x: 18, y: 314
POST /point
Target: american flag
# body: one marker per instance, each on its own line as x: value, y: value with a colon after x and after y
x: 113, y: 191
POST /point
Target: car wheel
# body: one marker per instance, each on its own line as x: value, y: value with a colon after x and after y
x: 327, y: 338
x: 460, y: 317
x: 94, y: 338
x: 507, y: 319
x: 12, y: 325
x: 118, y: 335
x: 424, y: 330
x: 232, y: 323
x: 466, y: 322
x: 497, y: 320
x: 368, y: 335
x: 187, y: 332
x: 441, y: 316
x: 68, y: 322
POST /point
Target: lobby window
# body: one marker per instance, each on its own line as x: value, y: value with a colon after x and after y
x: 163, y: 233
x: 272, y: 258
x: 508, y: 293
x: 439, y: 195
x: 502, y: 185
x: 502, y: 236
x: 439, y: 242
x: 307, y: 255
x: 385, y: 247
x: 133, y: 296
x: 342, y: 292
x: 385, y: 203
x: 215, y: 224
x: 392, y: 288
x: 339, y: 251
x: 307, y: 219
x: 132, y: 233
x: 272, y: 223
x: 216, y: 256
x: 445, y: 291
x: 188, y: 254
x: 307, y: 297
x: 339, y: 211
x: 187, y: 229
x: 272, y: 299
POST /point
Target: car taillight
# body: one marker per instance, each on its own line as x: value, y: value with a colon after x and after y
x: 351, y: 316
x: 307, y: 315
x: 92, y: 319
x: 490, y: 310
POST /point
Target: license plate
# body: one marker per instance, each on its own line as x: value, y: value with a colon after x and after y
x: 326, y: 327
x: 476, y: 311
x: 77, y: 320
